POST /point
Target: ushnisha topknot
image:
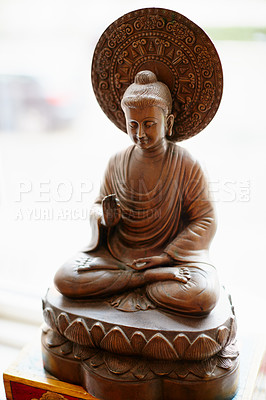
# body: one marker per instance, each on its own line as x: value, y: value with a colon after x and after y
x: 147, y: 91
x: 145, y: 77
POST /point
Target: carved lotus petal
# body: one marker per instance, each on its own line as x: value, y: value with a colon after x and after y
x: 203, y: 347
x: 138, y: 341
x: 222, y: 335
x: 162, y: 368
x: 181, y: 369
x: 118, y: 365
x: 49, y: 318
x: 233, y: 330
x: 78, y: 332
x: 202, y: 369
x: 229, y: 351
x: 96, y: 360
x: 141, y: 370
x: 181, y: 344
x: 97, y: 333
x: 115, y: 341
x: 66, y: 348
x: 63, y: 322
x: 159, y: 347
x: 88, y: 353
x: 83, y: 352
x: 225, y: 363
x: 54, y: 339
x: 77, y: 351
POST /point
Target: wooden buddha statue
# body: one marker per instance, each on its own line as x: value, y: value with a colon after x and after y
x: 140, y: 314
x: 153, y: 217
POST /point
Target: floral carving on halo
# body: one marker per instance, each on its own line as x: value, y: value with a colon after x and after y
x: 147, y: 22
x: 207, y: 97
x: 181, y: 32
x: 104, y: 60
x: 161, y: 40
x: 121, y: 58
x: 120, y: 34
x: 204, y: 60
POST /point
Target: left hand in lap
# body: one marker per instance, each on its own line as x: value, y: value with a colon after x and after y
x: 150, y: 262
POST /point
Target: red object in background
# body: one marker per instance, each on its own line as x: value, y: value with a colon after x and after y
x: 29, y: 103
x: 25, y: 392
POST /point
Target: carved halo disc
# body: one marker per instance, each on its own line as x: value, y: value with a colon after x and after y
x: 176, y: 50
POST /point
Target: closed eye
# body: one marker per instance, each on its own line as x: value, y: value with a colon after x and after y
x: 149, y: 124
x: 132, y: 125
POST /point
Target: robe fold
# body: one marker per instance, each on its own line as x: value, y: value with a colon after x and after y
x: 175, y: 217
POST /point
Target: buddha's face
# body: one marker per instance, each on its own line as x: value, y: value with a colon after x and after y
x: 146, y: 126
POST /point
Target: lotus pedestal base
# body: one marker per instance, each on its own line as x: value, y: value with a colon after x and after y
x: 144, y: 355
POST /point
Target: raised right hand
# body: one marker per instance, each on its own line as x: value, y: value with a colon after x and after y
x: 111, y: 210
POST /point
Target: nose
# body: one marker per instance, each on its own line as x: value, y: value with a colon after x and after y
x: 140, y: 132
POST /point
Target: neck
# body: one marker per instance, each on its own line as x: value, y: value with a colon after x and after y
x: 156, y: 153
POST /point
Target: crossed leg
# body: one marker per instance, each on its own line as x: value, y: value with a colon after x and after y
x: 190, y: 289
x: 197, y: 296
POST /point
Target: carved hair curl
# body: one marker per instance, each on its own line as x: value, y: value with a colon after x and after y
x: 146, y: 91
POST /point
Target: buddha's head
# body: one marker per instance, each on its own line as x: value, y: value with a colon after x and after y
x: 147, y: 105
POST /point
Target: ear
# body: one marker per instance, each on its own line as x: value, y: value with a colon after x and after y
x: 169, y: 124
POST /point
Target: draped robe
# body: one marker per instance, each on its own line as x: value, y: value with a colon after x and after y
x: 175, y: 217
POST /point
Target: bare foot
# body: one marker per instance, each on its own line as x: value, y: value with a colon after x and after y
x: 180, y: 274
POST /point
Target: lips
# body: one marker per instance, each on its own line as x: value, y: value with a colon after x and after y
x: 143, y: 141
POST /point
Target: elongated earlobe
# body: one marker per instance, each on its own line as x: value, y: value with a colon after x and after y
x: 170, y: 123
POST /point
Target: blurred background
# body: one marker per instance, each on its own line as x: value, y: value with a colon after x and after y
x: 55, y: 142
